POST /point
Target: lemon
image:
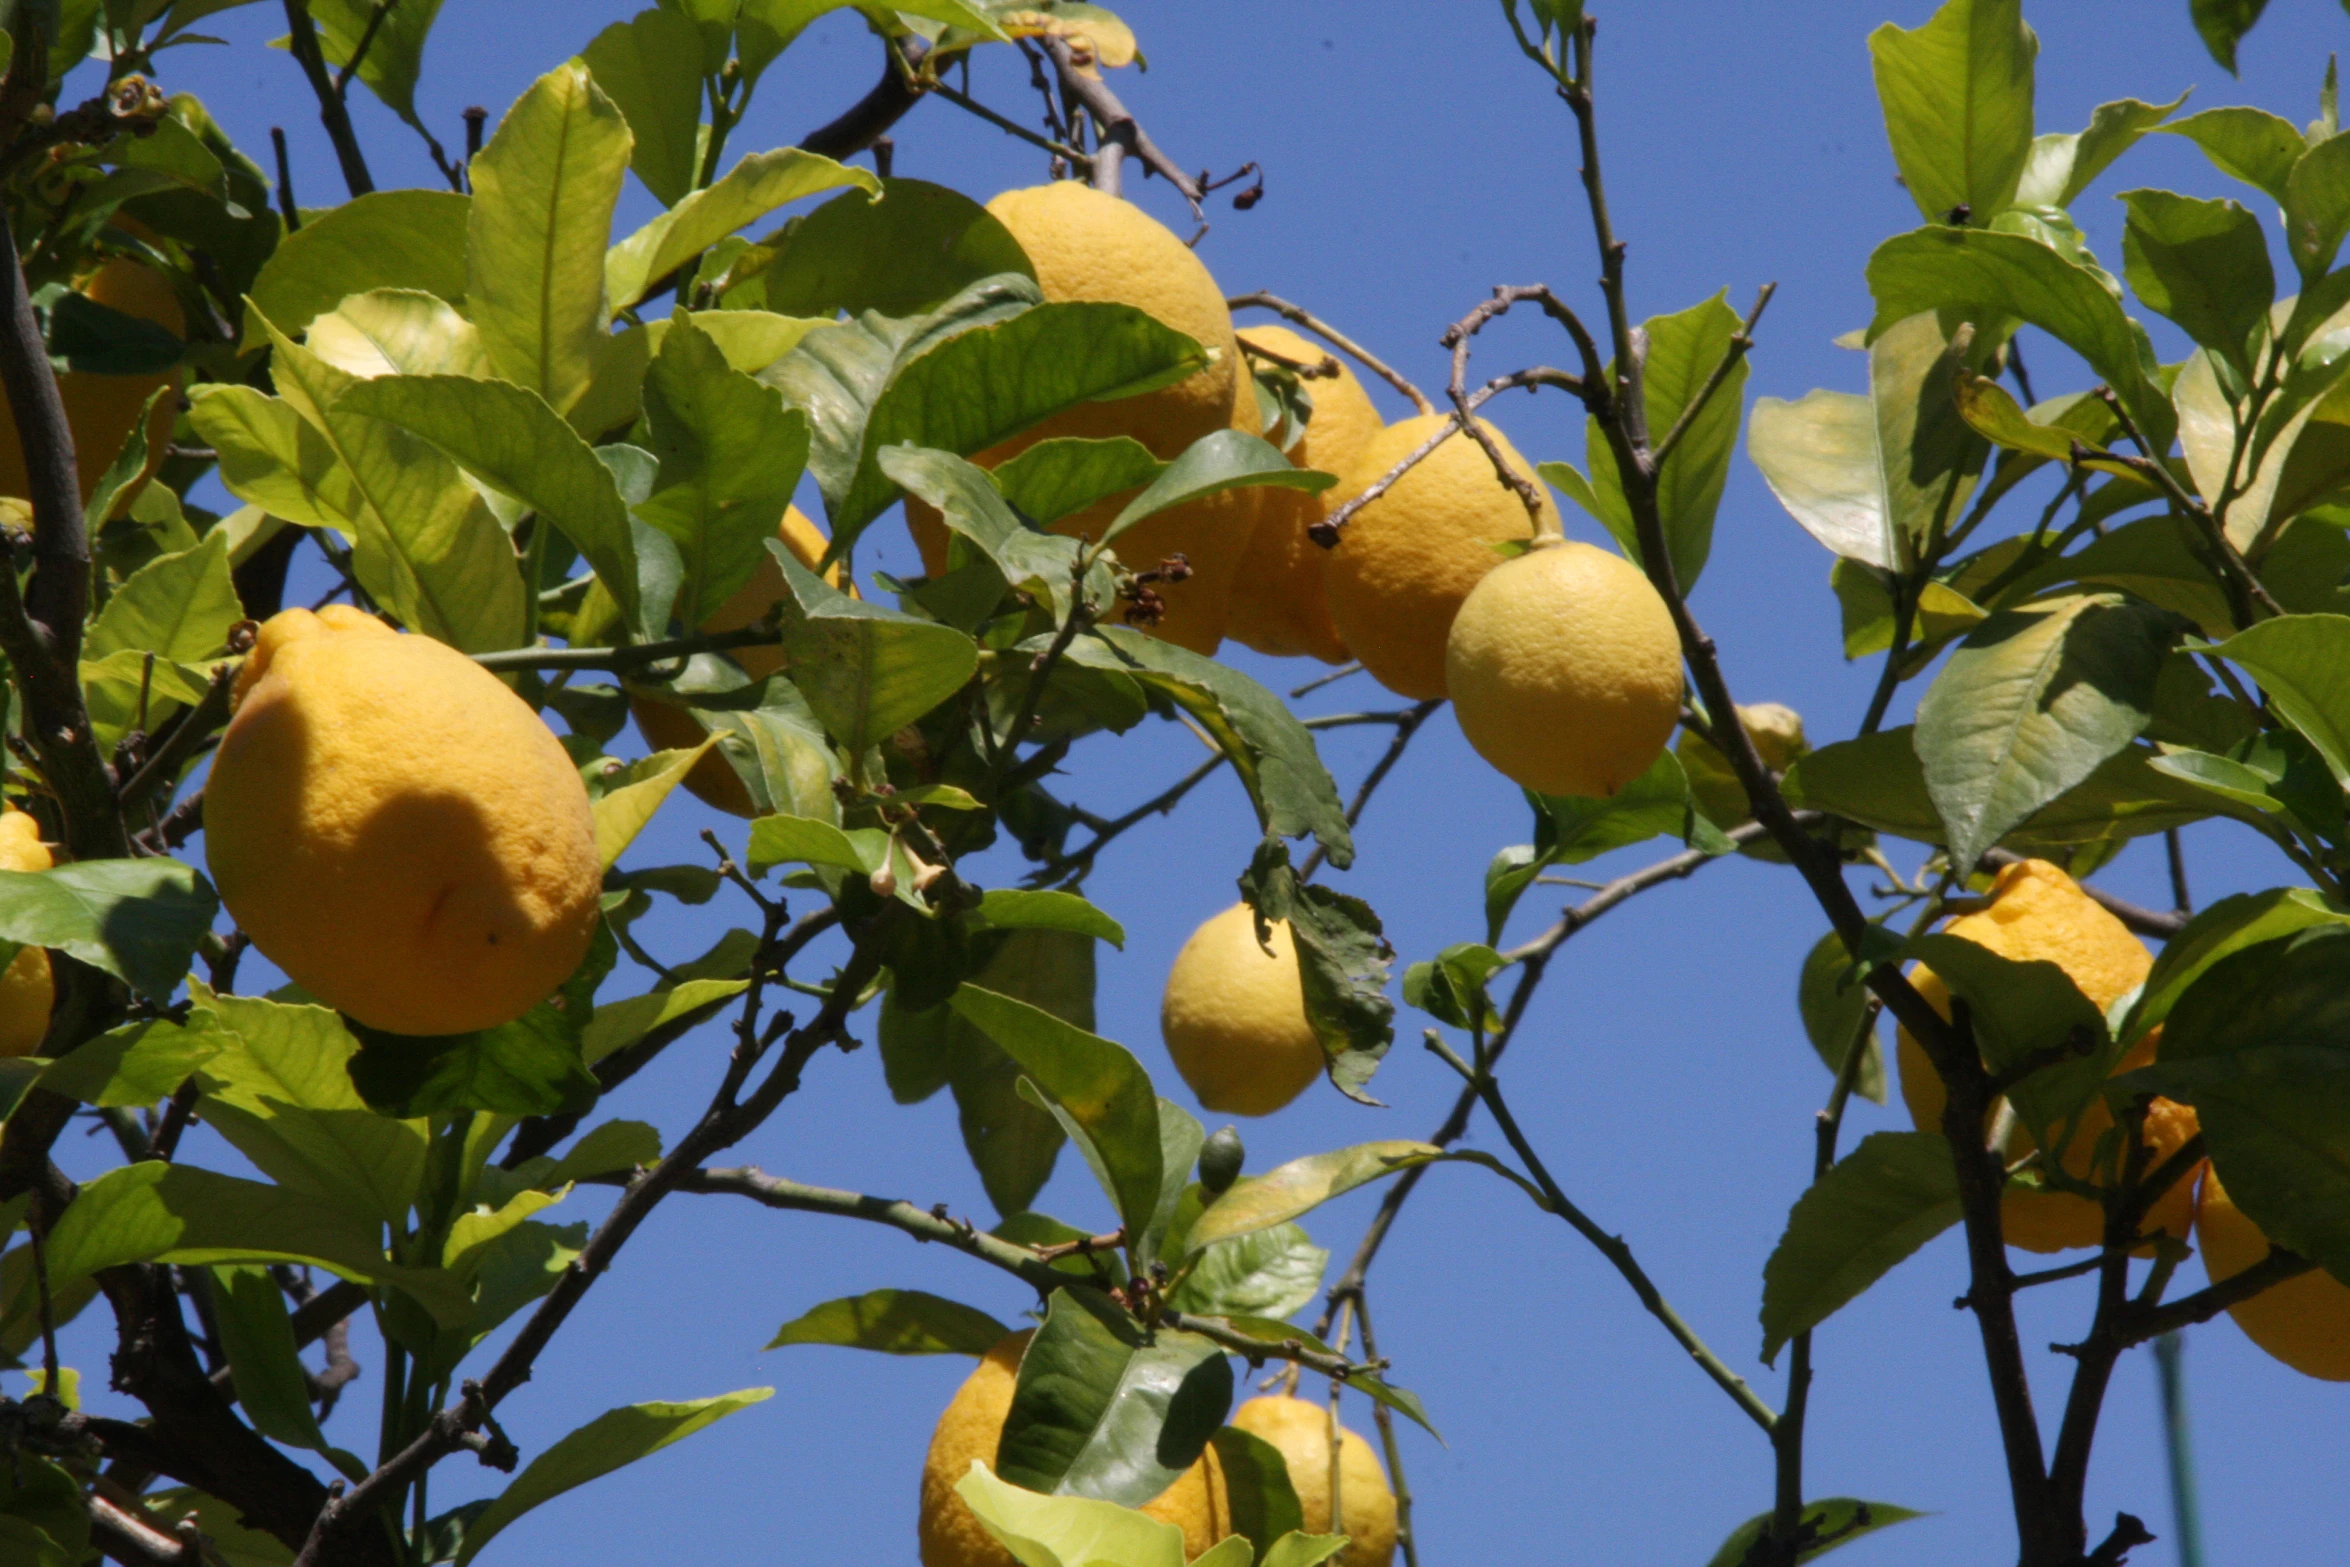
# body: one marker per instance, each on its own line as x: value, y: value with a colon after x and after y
x: 1366, y: 1507
x: 2305, y: 1321
x: 1088, y: 247
x: 668, y: 728
x: 397, y: 830
x: 1565, y: 670
x: 1405, y: 562
x: 27, y: 989
x: 1234, y: 1017
x: 2038, y: 913
x: 971, y: 1426
x: 100, y: 409
x: 1280, y: 599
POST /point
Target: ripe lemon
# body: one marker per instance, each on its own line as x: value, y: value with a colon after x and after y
x: 1406, y: 561
x: 2038, y: 913
x: 1234, y: 1017
x: 668, y: 728
x: 397, y: 830
x: 1280, y: 598
x: 2305, y: 1321
x: 1088, y: 247
x: 100, y: 409
x: 972, y: 1425
x: 27, y: 989
x: 1565, y: 670
x: 1301, y: 1430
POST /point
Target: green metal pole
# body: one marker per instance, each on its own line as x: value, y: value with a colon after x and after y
x: 2178, y: 1441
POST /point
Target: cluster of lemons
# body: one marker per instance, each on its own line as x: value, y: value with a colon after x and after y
x: 2038, y: 913
x: 1198, y: 1503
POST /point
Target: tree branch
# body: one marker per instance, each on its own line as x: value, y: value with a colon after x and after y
x: 333, y: 113
x: 1299, y: 316
x: 885, y: 103
x: 1117, y: 127
x: 1407, y: 725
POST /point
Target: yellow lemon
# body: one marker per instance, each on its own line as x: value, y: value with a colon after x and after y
x: 1366, y: 1507
x: 2305, y: 1321
x: 1234, y: 1017
x: 2038, y: 913
x: 397, y: 830
x: 100, y: 409
x: 970, y: 1428
x: 1565, y: 670
x: 1406, y: 561
x: 1280, y: 598
x: 27, y: 989
x: 668, y: 728
x: 1088, y: 247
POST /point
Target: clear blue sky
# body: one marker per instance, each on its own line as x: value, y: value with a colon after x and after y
x: 1409, y: 167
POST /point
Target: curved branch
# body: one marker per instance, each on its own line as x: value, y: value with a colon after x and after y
x: 868, y: 119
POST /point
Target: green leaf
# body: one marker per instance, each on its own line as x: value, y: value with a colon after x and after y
x: 395, y: 51
x: 1957, y: 95
x: 1271, y: 751
x: 620, y: 1024
x: 1068, y: 1531
x: 626, y: 810
x: 1882, y: 1201
x: 278, y: 1087
x: 1819, y: 456
x: 1265, y: 1273
x: 995, y: 379
x: 2021, y: 1011
x: 427, y: 546
x: 1007, y: 908
x: 803, y: 840
x: 1061, y: 477
x: 1570, y: 830
x: 1993, y: 276
x: 249, y: 1313
x: 1098, y: 1085
x: 1264, y: 1505
x: 1224, y: 460
x: 531, y: 1066
x: 272, y: 457
x: 139, y: 920
x: 2204, y: 264
x: 731, y: 453
x: 385, y: 239
x: 176, y: 606
x: 1832, y: 1000
x: 130, y: 1067
x: 1277, y: 1334
x: 2248, y: 144
x: 1684, y: 349
x: 1105, y: 1410
x: 966, y: 498
x: 866, y: 671
x: 1452, y: 987
x: 2227, y: 927
x: 2303, y: 665
x: 903, y: 255
x: 751, y: 189
x: 506, y: 436
x: 1012, y: 1143
x: 1342, y: 958
x: 2062, y: 166
x: 543, y: 193
x: 2223, y: 24
x: 1260, y: 1202
x: 616, y: 1438
x: 647, y: 67
x: 1838, y: 1520
x: 2030, y: 704
x: 895, y: 1322
x: 398, y: 331
x: 2260, y: 1046
x: 155, y: 1212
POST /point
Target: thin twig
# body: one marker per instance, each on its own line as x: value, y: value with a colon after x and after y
x: 1741, y: 341
x: 1058, y: 867
x: 1299, y: 316
x: 375, y: 22
x: 291, y: 213
x: 1332, y: 678
x: 971, y: 105
x: 1406, y: 724
x: 1118, y: 128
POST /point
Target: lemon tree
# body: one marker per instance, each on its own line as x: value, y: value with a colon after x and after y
x: 552, y: 477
